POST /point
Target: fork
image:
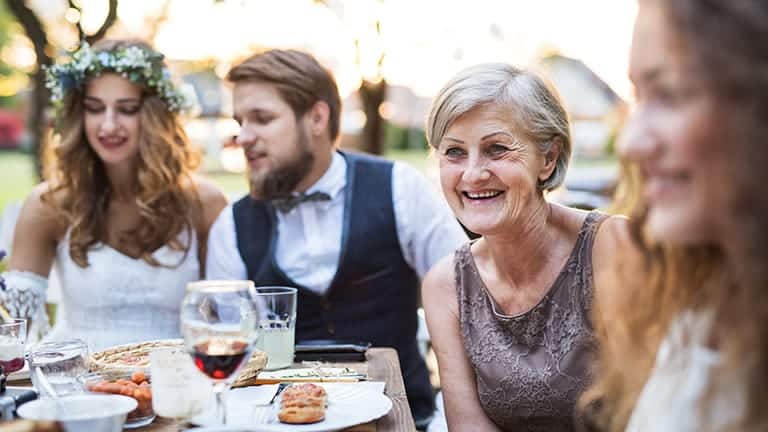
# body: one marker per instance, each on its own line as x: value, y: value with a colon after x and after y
x: 280, y: 387
x: 264, y: 413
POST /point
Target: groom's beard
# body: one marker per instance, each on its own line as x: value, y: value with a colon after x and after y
x: 283, y: 179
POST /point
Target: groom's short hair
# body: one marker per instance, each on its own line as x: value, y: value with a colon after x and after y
x: 299, y: 78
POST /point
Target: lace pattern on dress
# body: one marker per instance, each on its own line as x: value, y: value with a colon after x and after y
x: 24, y: 297
x: 531, y: 367
x: 119, y: 299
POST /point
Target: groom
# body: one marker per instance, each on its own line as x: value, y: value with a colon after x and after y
x: 353, y: 233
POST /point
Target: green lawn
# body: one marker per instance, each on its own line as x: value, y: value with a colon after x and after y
x: 18, y: 176
x: 17, y: 173
x: 419, y: 159
x: 233, y: 184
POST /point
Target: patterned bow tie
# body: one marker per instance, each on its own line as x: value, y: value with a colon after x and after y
x: 287, y: 204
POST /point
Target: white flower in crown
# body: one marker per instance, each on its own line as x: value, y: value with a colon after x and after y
x: 139, y: 65
x: 85, y: 58
x: 103, y: 58
x: 133, y: 57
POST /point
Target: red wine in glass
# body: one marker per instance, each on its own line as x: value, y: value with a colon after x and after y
x: 11, y: 354
x: 219, y: 358
x: 219, y: 321
x: 12, y: 365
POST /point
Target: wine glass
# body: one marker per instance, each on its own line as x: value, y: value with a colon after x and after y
x: 220, y: 322
x: 12, y: 337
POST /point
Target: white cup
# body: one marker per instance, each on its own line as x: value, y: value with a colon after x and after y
x: 179, y: 390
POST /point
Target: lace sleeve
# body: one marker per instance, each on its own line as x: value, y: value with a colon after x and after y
x: 23, y: 295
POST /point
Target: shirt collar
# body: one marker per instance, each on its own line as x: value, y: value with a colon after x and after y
x: 334, y: 179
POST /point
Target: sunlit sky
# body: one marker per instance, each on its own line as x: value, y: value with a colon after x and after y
x: 424, y: 41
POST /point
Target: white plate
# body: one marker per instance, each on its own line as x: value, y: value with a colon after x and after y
x: 349, y: 404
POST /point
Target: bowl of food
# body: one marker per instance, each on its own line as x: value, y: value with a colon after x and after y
x: 83, y: 412
x: 135, y: 385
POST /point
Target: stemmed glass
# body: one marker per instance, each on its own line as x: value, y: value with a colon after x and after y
x: 12, y: 337
x: 220, y: 322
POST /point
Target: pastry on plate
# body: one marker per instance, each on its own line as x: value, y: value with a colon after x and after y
x: 303, y: 404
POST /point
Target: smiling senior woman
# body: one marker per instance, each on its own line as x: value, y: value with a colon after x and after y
x: 509, y: 314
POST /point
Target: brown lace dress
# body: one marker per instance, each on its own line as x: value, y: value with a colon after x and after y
x: 532, y: 367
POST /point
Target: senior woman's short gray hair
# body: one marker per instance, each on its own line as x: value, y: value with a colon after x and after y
x: 534, y: 105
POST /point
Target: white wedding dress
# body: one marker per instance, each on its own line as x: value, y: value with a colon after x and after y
x: 118, y: 299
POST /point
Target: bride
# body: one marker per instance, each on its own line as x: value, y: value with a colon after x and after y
x: 120, y: 217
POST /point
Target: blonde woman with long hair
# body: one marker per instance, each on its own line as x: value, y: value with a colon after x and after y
x: 685, y: 341
x: 120, y: 217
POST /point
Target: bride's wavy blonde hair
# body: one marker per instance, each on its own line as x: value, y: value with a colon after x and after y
x: 729, y: 40
x: 80, y: 190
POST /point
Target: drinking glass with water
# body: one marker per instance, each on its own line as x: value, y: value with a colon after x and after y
x: 61, y: 363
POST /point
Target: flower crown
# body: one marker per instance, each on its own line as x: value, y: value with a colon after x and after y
x: 139, y: 65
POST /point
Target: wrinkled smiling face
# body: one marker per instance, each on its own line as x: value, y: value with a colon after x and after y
x: 489, y: 171
x: 275, y: 143
x: 677, y: 137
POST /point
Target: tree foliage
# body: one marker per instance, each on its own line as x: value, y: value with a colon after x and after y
x: 37, y: 33
x: 6, y: 32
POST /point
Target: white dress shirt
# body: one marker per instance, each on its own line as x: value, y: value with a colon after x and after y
x: 309, y: 236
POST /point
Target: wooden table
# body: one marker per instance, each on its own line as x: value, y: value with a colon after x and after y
x: 381, y: 365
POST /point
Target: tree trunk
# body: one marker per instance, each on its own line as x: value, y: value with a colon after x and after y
x: 33, y: 27
x: 372, y: 95
x: 39, y: 99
